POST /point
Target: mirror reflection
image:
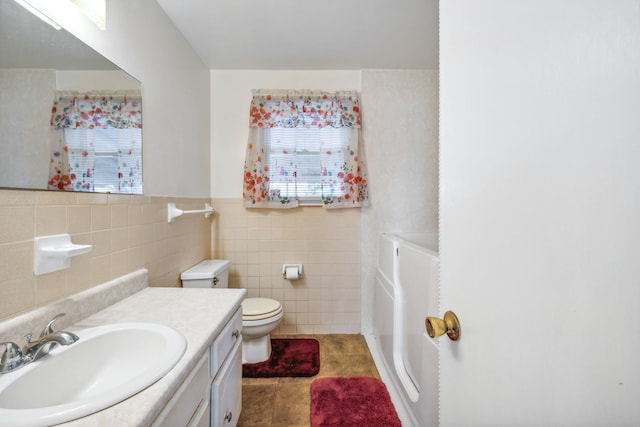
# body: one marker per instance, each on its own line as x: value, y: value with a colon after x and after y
x: 70, y: 120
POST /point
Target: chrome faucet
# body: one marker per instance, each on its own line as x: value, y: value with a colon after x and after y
x: 12, y: 358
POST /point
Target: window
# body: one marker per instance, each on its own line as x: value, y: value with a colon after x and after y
x: 304, y: 148
x: 297, y: 152
x: 96, y: 143
x: 105, y: 160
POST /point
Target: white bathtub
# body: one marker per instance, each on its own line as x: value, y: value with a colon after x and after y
x: 406, y: 292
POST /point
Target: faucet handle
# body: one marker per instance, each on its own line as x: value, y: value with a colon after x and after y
x: 49, y: 329
x: 10, y: 357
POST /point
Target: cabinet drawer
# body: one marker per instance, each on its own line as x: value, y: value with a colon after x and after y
x: 188, y: 398
x: 225, y: 341
x: 201, y: 417
x: 226, y: 391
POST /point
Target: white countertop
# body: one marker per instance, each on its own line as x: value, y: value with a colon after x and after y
x: 199, y: 314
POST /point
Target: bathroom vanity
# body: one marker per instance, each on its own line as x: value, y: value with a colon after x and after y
x: 212, y: 393
x: 202, y: 389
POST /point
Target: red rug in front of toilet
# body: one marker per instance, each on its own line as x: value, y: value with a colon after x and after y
x: 290, y: 357
x: 351, y: 401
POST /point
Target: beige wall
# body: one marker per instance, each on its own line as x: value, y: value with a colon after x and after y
x: 326, y: 242
x: 127, y: 233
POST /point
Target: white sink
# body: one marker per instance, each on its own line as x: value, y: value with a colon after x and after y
x: 106, y: 365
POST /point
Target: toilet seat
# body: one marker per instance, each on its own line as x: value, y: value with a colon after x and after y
x: 260, y: 308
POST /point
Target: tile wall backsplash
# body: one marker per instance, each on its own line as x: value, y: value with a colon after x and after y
x: 127, y: 233
x: 326, y: 242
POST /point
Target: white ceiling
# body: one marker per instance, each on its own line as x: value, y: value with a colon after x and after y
x: 309, y: 35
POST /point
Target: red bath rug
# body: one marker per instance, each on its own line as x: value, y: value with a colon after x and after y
x: 290, y: 357
x: 351, y: 401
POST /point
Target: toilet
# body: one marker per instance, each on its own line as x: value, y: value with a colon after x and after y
x: 260, y: 316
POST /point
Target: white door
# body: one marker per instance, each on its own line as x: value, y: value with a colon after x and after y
x: 540, y: 212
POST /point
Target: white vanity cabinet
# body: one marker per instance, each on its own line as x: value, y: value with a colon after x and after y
x: 212, y: 394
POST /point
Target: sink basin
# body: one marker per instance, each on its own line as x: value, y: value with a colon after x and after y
x: 106, y: 365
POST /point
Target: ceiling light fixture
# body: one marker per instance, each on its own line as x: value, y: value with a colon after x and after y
x: 96, y: 10
x: 36, y: 12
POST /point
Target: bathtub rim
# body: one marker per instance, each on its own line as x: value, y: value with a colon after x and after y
x: 424, y: 241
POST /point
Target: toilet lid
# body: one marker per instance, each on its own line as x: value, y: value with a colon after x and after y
x: 260, y: 308
x: 207, y: 269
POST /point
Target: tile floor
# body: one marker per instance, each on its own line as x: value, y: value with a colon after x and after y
x: 285, y: 402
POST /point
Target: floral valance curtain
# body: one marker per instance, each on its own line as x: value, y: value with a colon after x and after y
x: 120, y: 110
x: 291, y: 109
x: 341, y: 175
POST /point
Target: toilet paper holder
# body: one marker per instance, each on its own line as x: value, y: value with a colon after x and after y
x: 292, y: 271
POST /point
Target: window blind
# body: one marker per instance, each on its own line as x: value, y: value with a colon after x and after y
x: 299, y: 160
x: 106, y: 160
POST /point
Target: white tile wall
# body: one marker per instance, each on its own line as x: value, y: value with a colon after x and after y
x: 326, y: 242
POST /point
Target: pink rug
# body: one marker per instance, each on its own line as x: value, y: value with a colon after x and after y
x: 351, y: 401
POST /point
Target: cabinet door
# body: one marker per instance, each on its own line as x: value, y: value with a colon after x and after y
x: 222, y: 345
x: 226, y: 391
x: 188, y: 398
x: 201, y: 417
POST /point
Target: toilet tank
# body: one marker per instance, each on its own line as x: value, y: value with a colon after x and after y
x: 212, y: 273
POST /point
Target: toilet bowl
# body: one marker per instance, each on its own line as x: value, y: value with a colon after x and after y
x: 260, y: 316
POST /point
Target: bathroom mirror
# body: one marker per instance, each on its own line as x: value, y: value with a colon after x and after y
x: 40, y: 64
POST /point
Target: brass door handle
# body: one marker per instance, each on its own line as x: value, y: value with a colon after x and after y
x: 449, y: 325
